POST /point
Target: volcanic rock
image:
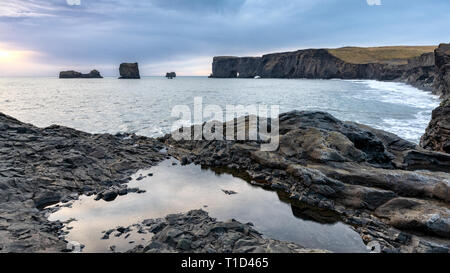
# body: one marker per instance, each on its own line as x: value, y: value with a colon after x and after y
x: 345, y: 167
x: 196, y: 232
x: 94, y: 74
x: 129, y: 71
x: 43, y: 166
x: 437, y: 134
x: 171, y: 75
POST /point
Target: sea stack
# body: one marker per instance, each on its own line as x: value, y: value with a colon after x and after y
x: 129, y: 71
x: 70, y: 74
x: 171, y: 75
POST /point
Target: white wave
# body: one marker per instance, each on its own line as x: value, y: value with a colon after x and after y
x: 409, y: 129
x: 401, y: 93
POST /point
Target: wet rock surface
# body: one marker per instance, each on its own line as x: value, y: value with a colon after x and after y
x: 196, y: 232
x: 357, y: 171
x: 44, y: 166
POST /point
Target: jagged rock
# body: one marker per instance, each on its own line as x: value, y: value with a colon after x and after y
x: 413, y: 214
x: 353, y: 170
x: 129, y: 71
x: 196, y: 232
x: 43, y: 166
x: 74, y: 74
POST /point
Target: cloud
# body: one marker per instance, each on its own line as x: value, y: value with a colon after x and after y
x: 185, y: 34
x: 374, y: 2
x: 217, y: 6
x: 12, y: 61
x: 28, y: 9
x: 73, y: 2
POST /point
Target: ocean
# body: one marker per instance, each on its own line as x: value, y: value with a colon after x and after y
x: 144, y: 106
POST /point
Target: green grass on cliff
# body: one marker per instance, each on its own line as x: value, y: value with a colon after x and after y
x: 385, y: 54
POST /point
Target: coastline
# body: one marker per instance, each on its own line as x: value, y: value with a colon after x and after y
x: 429, y: 72
x: 419, y: 72
x: 394, y: 193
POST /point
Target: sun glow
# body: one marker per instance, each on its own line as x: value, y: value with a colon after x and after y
x: 4, y: 55
x: 7, y: 55
x: 17, y: 61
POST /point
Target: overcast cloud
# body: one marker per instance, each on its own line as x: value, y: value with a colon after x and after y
x: 183, y: 35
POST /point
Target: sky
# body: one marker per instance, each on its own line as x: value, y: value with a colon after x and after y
x: 43, y: 37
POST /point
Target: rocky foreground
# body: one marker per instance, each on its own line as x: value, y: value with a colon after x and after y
x: 40, y: 167
x: 393, y: 192
x: 196, y: 232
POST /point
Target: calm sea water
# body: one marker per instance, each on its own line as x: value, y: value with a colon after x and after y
x: 144, y: 106
x: 174, y: 189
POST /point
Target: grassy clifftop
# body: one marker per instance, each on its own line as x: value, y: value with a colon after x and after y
x: 384, y: 54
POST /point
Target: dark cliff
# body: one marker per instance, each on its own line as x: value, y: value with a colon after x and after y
x: 94, y: 74
x: 429, y: 71
x: 321, y: 64
x: 421, y: 72
x: 437, y: 135
x: 171, y: 75
x: 442, y: 59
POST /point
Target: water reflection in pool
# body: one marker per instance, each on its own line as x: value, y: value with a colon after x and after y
x: 175, y: 188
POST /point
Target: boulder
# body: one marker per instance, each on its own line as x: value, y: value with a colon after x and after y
x: 129, y: 71
x: 196, y: 232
